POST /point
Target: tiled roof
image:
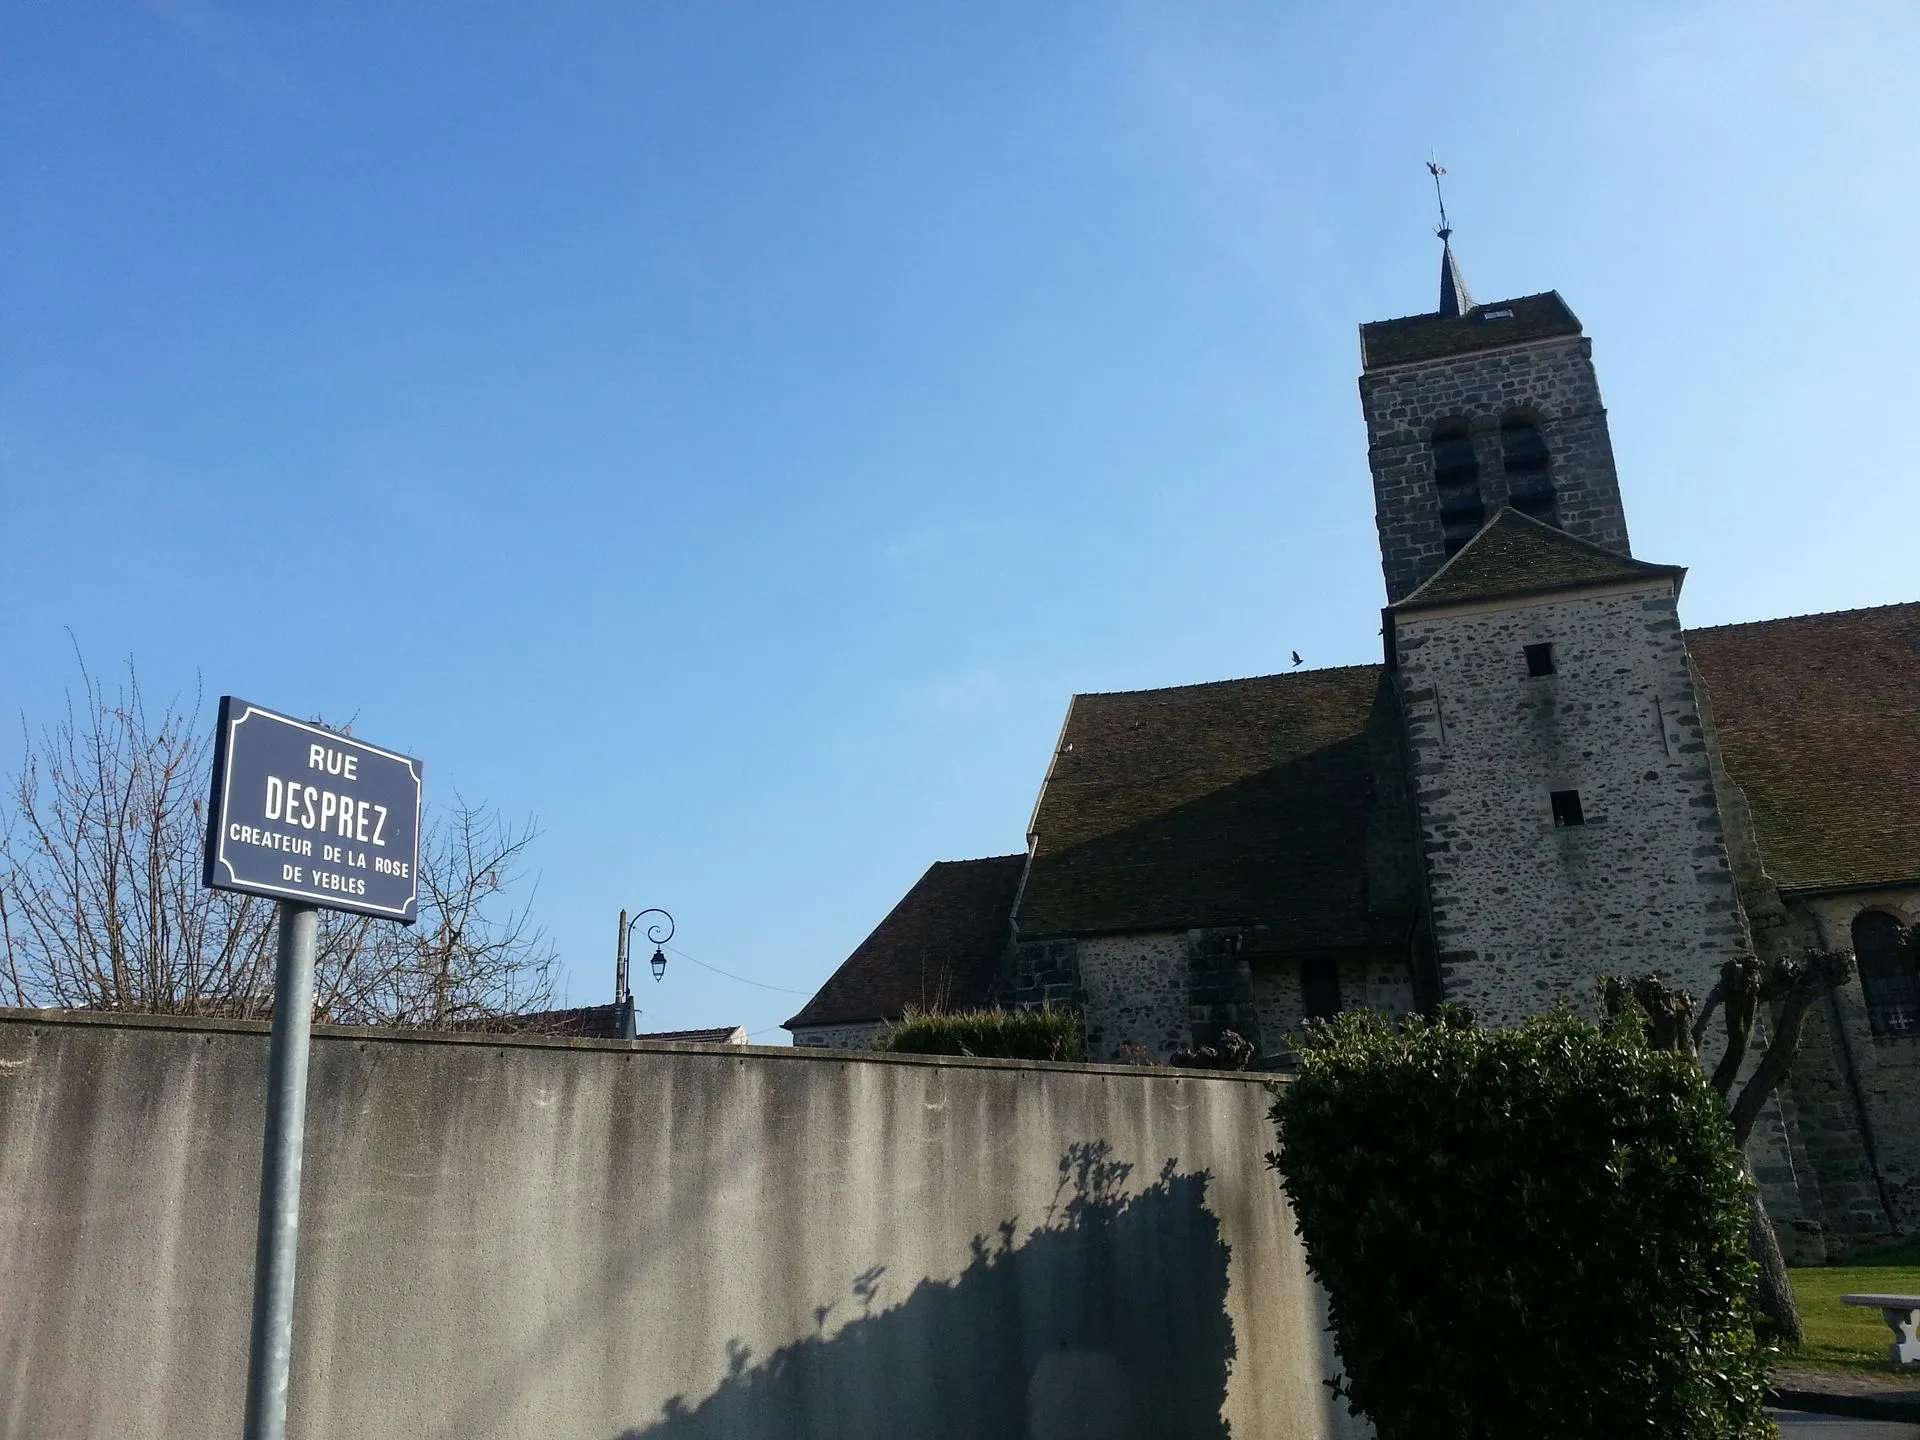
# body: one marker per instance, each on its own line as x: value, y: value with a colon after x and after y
x: 601, y: 1022
x: 718, y: 1035
x: 1434, y: 337
x: 1515, y: 554
x: 938, y: 948
x: 1819, y: 722
x: 1240, y: 802
x: 585, y: 1022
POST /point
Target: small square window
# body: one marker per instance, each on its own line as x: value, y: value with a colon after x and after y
x: 1320, y: 986
x: 1566, y: 809
x: 1540, y: 658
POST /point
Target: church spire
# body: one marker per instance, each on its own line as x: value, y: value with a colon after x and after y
x: 1454, y: 297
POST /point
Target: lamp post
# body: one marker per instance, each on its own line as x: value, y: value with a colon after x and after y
x: 658, y: 933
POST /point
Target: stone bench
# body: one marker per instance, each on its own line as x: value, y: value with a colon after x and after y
x: 1902, y: 1314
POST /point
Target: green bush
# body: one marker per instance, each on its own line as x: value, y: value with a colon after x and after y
x: 1523, y: 1233
x: 1004, y: 1034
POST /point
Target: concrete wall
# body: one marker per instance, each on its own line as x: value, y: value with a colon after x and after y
x: 1526, y: 914
x: 1551, y: 380
x: 608, y: 1241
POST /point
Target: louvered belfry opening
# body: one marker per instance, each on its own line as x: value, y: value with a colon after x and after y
x: 1524, y: 456
x: 1456, y: 475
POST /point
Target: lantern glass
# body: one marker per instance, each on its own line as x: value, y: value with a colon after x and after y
x: 659, y: 963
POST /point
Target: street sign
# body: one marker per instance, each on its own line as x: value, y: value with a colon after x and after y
x: 303, y: 814
x: 317, y: 821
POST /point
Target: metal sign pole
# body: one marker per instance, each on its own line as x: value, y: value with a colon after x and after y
x: 270, y: 1350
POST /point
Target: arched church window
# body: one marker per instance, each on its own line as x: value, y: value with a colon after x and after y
x: 1523, y: 454
x: 1888, y: 979
x: 1456, y: 475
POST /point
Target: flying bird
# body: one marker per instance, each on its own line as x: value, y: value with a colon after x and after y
x: 1297, y: 660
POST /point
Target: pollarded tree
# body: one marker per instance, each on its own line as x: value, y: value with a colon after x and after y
x: 101, y: 905
x: 1745, y: 984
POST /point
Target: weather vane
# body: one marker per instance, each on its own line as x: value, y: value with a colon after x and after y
x: 1445, y: 232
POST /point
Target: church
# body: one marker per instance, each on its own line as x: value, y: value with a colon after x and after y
x: 1545, y: 779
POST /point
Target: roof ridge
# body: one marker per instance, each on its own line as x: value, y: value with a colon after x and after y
x: 983, y: 859
x: 1511, y: 518
x: 1231, y: 680
x: 1804, y: 615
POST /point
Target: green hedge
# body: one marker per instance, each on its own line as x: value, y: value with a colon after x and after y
x: 1523, y: 1233
x: 1006, y: 1034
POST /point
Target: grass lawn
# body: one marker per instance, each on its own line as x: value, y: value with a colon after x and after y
x: 1847, y: 1337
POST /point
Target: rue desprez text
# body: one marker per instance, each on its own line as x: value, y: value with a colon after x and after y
x: 314, y: 807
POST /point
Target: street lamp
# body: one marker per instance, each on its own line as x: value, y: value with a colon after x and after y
x: 658, y: 933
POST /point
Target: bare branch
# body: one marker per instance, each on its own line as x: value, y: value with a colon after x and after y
x: 1739, y: 985
x: 1715, y: 997
x: 1667, y: 1013
x: 101, y: 905
x: 1796, y: 984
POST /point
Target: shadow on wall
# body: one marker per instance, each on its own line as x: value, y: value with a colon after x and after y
x: 1108, y: 1321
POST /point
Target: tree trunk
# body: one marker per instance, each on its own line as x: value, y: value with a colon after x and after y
x: 1772, y: 1294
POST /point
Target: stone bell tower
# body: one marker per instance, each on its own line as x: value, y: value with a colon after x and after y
x: 1474, y: 407
x: 1569, y: 820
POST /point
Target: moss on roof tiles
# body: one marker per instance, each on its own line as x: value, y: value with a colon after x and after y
x: 939, y: 948
x: 1819, y: 723
x: 1515, y: 554
x: 1415, y: 338
x: 1245, y: 802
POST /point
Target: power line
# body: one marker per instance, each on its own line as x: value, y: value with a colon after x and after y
x: 731, y: 976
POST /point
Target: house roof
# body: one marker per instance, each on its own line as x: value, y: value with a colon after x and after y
x: 1818, y: 718
x: 939, y: 948
x: 585, y: 1022
x: 718, y: 1035
x: 1493, y: 326
x: 1240, y: 802
x: 1515, y: 554
x: 601, y: 1022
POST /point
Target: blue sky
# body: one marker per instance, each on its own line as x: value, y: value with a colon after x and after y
x: 731, y: 432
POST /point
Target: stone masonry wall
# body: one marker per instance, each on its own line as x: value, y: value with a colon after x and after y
x: 1526, y: 914
x: 1378, y: 982
x: 1837, y: 1179
x: 838, y: 1037
x: 1220, y: 987
x: 1856, y: 1071
x: 1837, y: 1153
x: 1277, y: 1002
x: 1782, y: 1165
x: 1141, y: 996
x: 1135, y: 989
x: 1039, y: 974
x: 1552, y: 379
